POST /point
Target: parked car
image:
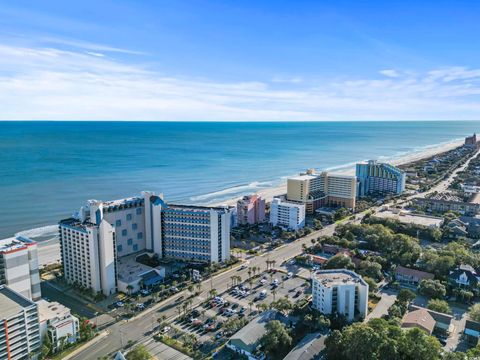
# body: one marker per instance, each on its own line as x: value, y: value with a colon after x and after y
x: 120, y: 303
x: 290, y: 275
x: 145, y: 292
x: 166, y: 329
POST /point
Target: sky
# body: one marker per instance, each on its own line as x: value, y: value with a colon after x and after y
x: 239, y: 60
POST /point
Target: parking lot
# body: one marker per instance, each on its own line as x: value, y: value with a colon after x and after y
x: 209, y: 322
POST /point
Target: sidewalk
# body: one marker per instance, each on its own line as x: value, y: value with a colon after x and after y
x: 95, y: 340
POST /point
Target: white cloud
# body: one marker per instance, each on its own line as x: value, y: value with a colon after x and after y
x: 49, y: 83
x: 390, y: 73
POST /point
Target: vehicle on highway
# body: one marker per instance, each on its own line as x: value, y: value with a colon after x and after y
x: 244, y: 265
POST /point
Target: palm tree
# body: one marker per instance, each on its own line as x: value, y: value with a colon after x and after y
x: 250, y: 282
x: 250, y: 303
x: 274, y: 292
x: 213, y: 293
x: 249, y: 273
x: 179, y: 309
x: 199, y: 288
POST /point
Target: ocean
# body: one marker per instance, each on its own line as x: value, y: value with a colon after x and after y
x: 49, y: 169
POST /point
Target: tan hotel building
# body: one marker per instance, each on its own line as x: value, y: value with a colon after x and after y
x: 324, y: 189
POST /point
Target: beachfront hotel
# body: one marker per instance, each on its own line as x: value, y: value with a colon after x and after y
x: 379, y: 178
x: 19, y: 266
x: 340, y: 291
x: 105, y: 231
x: 286, y: 214
x: 250, y: 210
x: 20, y: 330
x: 324, y: 189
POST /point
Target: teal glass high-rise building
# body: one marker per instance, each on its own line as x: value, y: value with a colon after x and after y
x: 375, y: 178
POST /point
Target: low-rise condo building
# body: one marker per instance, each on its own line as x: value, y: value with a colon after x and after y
x: 286, y: 214
x: 19, y: 266
x: 340, y: 291
x: 376, y: 178
x: 324, y: 189
x: 57, y: 322
x: 20, y: 330
x: 92, y: 242
x: 250, y: 210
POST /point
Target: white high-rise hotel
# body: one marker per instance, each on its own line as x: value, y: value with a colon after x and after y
x: 106, y: 230
x: 340, y: 291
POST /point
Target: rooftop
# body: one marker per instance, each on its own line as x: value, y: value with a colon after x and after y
x: 11, y: 302
x: 50, y: 310
x: 15, y: 243
x: 413, y: 273
x: 408, y: 218
x: 303, y: 177
x: 419, y: 318
x: 129, y: 269
x: 308, y: 348
x: 338, y: 277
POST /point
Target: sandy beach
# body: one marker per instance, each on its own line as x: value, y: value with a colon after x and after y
x: 270, y: 193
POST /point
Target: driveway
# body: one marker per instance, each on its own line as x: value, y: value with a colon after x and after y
x: 388, y: 297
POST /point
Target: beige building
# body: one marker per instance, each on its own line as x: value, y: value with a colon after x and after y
x: 324, y: 189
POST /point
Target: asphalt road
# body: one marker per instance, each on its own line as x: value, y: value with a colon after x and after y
x: 135, y: 329
x: 120, y: 333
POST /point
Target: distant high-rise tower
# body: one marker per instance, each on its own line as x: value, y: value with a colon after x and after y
x: 379, y: 178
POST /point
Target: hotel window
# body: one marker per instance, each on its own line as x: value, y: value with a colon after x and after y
x: 129, y: 217
x: 124, y: 232
x: 118, y: 223
x: 139, y: 211
x: 135, y: 247
x: 134, y: 226
x: 129, y: 241
x: 119, y: 248
x: 140, y: 235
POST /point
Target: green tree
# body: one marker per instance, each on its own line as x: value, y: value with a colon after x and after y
x: 405, y: 296
x: 277, y: 341
x: 474, y: 312
x: 371, y: 269
x: 339, y: 261
x: 432, y: 288
x: 439, y: 305
x: 139, y: 352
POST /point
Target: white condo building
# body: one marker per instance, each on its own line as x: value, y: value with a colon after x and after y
x: 287, y: 214
x: 19, y: 266
x: 19, y: 330
x: 340, y: 291
x: 57, y: 322
x: 104, y: 231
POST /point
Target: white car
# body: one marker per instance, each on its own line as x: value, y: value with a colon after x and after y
x: 263, y: 281
x: 120, y: 304
x: 166, y: 329
x: 289, y: 275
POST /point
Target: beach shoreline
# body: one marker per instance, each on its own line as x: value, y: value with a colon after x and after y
x: 269, y: 193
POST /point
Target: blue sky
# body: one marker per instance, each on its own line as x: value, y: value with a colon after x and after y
x: 240, y: 60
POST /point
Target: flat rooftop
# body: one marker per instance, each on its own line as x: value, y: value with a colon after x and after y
x: 303, y: 177
x: 50, y: 310
x: 14, y: 243
x: 408, y: 218
x: 129, y: 269
x: 11, y: 303
x: 338, y: 277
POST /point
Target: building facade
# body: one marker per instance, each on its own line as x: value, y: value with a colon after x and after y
x: 250, y: 210
x: 192, y: 233
x: 287, y: 214
x: 340, y: 291
x: 19, y: 266
x: 20, y: 330
x: 379, y: 178
x: 324, y: 189
x: 471, y: 141
x: 57, y: 322
x: 103, y: 232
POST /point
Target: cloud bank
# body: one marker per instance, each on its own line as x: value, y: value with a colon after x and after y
x: 89, y: 83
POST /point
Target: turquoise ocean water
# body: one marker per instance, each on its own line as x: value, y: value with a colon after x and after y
x: 49, y: 169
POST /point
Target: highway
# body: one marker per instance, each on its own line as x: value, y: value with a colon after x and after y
x: 134, y: 329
